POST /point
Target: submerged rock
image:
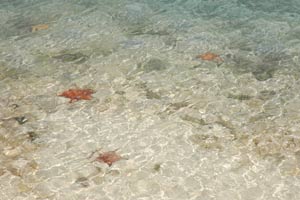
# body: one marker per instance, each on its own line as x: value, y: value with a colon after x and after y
x: 152, y: 95
x: 209, y: 142
x: 262, y: 68
x: 83, y: 181
x: 157, y: 167
x: 262, y: 74
x: 240, y: 97
x: 32, y: 136
x: 76, y: 57
x: 21, y: 119
x: 154, y: 64
x: 266, y: 94
x: 193, y: 120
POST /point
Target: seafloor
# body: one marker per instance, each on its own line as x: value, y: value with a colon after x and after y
x: 186, y: 128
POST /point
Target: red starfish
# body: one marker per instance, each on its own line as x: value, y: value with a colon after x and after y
x: 210, y: 57
x: 78, y: 94
x: 108, y: 157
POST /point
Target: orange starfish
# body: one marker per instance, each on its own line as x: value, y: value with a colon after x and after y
x: 39, y: 27
x: 210, y: 57
x: 108, y: 157
x: 77, y: 94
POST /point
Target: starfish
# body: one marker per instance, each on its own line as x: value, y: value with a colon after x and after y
x: 108, y: 157
x: 77, y: 94
x: 39, y: 27
x: 209, y: 56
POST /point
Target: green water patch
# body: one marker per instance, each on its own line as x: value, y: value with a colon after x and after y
x: 87, y: 3
x: 139, y: 19
x: 133, y: 14
x: 19, y: 3
x: 272, y: 5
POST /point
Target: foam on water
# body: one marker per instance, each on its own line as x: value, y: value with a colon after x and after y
x: 186, y: 128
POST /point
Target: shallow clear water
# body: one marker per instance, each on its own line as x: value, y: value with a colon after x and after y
x: 186, y: 128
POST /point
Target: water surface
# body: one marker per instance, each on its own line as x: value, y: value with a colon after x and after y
x: 186, y: 128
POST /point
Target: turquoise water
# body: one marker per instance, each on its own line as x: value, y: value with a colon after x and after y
x: 185, y: 126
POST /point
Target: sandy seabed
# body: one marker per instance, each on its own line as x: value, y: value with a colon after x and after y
x: 188, y: 129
